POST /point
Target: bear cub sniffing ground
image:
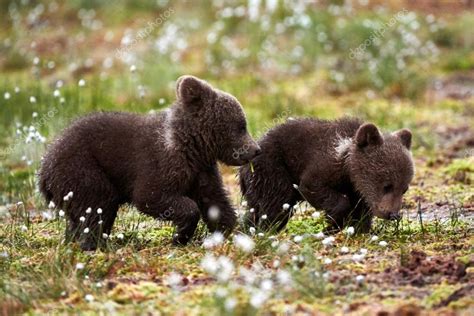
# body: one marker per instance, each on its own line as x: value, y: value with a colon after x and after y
x: 345, y: 167
x: 165, y: 164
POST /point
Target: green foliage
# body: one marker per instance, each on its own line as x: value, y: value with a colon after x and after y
x: 292, y: 60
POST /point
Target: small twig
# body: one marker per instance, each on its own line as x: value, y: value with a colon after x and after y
x: 420, y: 216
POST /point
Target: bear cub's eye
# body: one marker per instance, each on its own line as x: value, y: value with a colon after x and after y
x: 388, y: 188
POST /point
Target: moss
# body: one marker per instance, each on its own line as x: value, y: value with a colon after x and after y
x: 461, y: 170
x: 439, y: 293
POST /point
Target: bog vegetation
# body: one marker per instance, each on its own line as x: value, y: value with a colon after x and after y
x: 394, y: 63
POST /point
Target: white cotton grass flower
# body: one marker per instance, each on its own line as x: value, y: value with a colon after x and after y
x: 82, y: 219
x: 286, y: 206
x: 89, y: 298
x: 374, y: 238
x: 34, y: 114
x: 252, y: 230
x: 230, y: 304
x: 47, y: 215
x: 80, y: 266
x: 316, y: 214
x: 81, y: 83
x: 363, y: 251
x: 260, y: 235
x: 258, y: 298
x: 320, y: 235
x: 327, y: 261
x: 283, y: 248
x: 225, y: 269
x: 221, y: 292
x: 298, y: 239
x: 360, y: 278
x: 99, y: 211
x: 244, y: 242
x: 86, y: 230
x: 105, y: 236
x: 283, y: 277
x: 264, y: 217
x: 133, y: 68
x: 209, y: 264
x: 350, y: 231
x: 358, y: 257
x: 17, y: 90
x: 216, y: 239
x: 56, y: 93
x: 61, y: 213
x: 120, y: 236
x: 295, y: 186
x: 344, y: 249
x: 252, y: 210
x: 24, y: 228
x: 32, y: 99
x: 100, y: 222
x: 266, y: 285
x: 249, y: 276
x: 383, y: 243
x: 328, y: 241
x: 244, y: 203
x: 89, y: 210
x: 51, y: 205
x: 6, y: 95
x: 213, y: 213
x: 174, y: 280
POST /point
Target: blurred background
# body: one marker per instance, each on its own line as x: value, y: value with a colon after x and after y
x: 395, y: 63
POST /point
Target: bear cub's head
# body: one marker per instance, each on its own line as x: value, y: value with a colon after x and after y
x: 381, y: 168
x: 220, y: 119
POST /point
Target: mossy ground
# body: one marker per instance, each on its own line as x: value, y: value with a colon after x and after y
x: 279, y: 66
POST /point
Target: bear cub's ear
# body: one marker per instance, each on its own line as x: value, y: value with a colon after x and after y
x: 368, y: 135
x: 191, y: 90
x: 405, y: 137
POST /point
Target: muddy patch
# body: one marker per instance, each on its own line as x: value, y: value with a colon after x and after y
x: 418, y: 269
x: 442, y: 211
x: 456, y: 142
x: 458, y: 86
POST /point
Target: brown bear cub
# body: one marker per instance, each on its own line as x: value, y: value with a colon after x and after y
x: 165, y: 164
x: 345, y: 167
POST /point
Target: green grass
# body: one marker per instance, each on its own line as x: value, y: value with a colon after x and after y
x: 280, y: 65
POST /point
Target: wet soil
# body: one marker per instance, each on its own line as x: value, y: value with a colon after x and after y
x: 418, y: 269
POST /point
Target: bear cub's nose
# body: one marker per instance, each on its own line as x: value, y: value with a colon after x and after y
x: 258, y: 151
x: 253, y: 151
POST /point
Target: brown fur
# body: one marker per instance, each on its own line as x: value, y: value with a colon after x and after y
x: 165, y: 164
x: 345, y: 167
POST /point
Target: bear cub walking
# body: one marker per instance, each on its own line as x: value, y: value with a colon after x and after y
x: 345, y: 167
x: 165, y: 164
